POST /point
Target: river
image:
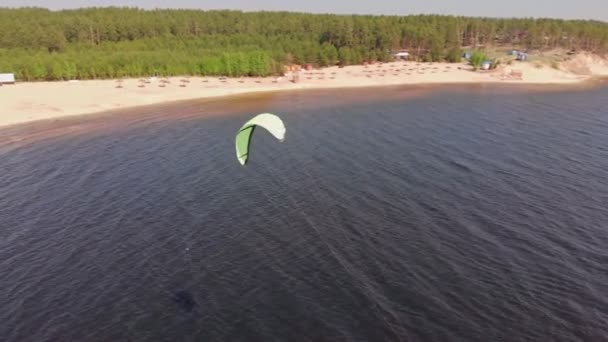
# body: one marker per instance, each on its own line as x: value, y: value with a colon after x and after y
x: 470, y: 213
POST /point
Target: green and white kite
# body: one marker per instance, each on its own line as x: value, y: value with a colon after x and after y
x: 270, y: 122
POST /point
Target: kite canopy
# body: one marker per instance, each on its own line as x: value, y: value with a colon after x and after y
x: 270, y: 122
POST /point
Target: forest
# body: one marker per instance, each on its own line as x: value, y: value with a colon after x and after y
x: 112, y: 42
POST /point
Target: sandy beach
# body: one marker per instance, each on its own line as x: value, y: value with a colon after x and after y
x: 26, y: 102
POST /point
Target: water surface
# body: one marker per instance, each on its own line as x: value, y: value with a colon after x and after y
x: 472, y: 213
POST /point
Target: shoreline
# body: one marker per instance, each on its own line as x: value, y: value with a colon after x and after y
x: 29, y: 102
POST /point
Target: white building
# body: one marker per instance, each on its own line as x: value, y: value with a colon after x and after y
x: 401, y: 55
x: 7, y: 79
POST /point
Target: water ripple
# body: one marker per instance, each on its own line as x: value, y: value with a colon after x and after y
x: 474, y: 215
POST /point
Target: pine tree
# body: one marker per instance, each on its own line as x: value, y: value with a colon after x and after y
x: 111, y: 42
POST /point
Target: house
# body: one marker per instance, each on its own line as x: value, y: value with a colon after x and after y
x: 521, y: 56
x: 466, y: 55
x: 486, y: 65
x: 7, y: 79
x: 401, y: 55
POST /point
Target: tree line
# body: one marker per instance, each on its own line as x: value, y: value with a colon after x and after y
x: 39, y: 44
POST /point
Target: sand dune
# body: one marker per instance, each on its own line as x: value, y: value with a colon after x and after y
x: 26, y: 102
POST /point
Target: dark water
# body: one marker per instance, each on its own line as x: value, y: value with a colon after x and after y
x: 475, y: 214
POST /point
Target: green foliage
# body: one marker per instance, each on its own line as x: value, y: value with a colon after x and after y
x: 454, y: 55
x: 477, y: 59
x: 328, y: 55
x: 345, y: 55
x: 437, y: 49
x: 38, y: 44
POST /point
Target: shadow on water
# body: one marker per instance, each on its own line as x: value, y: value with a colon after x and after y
x: 184, y: 300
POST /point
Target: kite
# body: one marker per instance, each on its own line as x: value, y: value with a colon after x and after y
x: 270, y: 122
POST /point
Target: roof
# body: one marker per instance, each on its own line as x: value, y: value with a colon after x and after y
x: 7, y: 78
x: 400, y: 54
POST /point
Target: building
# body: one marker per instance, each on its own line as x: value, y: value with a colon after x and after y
x: 401, y: 55
x: 521, y: 56
x: 7, y: 79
